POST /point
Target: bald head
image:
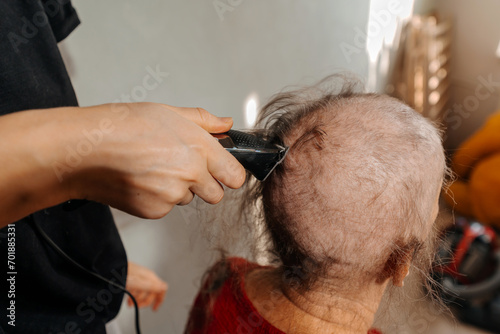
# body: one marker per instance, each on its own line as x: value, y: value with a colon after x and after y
x: 357, y: 191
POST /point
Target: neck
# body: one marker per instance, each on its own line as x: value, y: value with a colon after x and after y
x: 315, y: 311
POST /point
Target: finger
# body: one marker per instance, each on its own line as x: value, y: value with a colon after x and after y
x: 187, y: 199
x: 160, y: 297
x: 225, y: 168
x: 141, y: 296
x: 204, y: 119
x: 142, y: 302
x: 208, y: 189
x: 149, y: 300
x: 158, y: 300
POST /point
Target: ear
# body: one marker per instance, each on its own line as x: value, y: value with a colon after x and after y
x: 400, y: 274
x: 397, y: 266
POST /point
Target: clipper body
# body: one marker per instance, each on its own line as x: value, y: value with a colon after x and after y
x: 255, y: 154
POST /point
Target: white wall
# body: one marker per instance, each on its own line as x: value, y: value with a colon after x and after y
x: 259, y: 46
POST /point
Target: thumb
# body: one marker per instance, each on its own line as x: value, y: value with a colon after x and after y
x: 205, y: 120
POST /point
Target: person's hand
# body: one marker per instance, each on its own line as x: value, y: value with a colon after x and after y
x: 147, y: 288
x: 150, y: 157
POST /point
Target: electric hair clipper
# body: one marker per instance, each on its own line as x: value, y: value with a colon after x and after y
x: 257, y: 155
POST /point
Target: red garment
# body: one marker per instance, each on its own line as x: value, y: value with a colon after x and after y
x: 223, y: 307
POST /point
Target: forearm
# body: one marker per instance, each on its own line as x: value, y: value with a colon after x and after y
x: 32, y: 143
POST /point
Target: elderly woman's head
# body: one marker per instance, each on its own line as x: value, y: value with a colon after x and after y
x: 355, y: 199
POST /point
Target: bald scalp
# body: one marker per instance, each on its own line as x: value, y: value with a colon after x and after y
x: 355, y: 194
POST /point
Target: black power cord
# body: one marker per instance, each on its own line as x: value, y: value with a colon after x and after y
x: 89, y: 272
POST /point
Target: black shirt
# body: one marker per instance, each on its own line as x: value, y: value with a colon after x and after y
x: 49, y: 294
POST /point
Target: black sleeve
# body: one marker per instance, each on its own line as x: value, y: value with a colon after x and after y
x: 32, y: 72
x: 62, y: 17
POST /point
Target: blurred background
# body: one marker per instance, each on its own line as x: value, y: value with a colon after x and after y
x: 230, y: 56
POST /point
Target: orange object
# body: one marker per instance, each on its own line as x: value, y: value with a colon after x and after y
x: 477, y: 165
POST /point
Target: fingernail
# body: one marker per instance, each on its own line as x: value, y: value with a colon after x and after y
x: 226, y: 119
